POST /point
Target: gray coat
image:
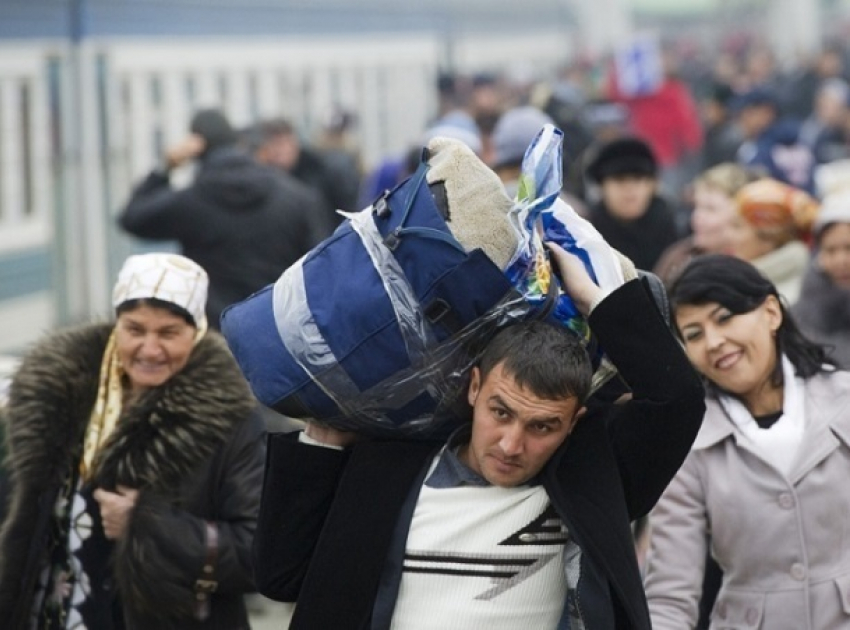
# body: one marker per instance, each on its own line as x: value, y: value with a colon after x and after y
x: 783, y: 542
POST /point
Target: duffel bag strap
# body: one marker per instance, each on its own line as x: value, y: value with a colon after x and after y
x: 393, y: 239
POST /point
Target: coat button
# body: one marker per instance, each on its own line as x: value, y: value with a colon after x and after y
x: 798, y: 572
x: 786, y: 501
x: 721, y: 610
x: 752, y: 616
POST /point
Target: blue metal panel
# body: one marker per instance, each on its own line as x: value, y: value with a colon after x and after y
x: 25, y: 272
x: 38, y: 18
x: 51, y: 18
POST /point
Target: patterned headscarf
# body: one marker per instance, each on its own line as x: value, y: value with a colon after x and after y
x: 776, y: 208
x: 167, y: 277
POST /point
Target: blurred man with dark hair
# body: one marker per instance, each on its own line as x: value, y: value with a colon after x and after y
x: 722, y: 136
x: 242, y: 222
x: 276, y: 143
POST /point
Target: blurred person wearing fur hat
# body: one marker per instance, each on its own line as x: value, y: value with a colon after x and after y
x: 630, y: 215
x: 711, y: 218
x: 770, y: 230
x: 136, y: 455
x: 242, y: 222
x: 823, y: 309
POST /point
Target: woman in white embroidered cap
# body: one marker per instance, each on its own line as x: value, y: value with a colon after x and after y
x: 762, y: 492
x: 136, y: 455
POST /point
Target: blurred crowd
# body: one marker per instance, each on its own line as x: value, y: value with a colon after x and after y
x: 731, y: 152
x: 728, y: 177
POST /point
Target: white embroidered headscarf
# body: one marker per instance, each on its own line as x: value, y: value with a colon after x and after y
x: 167, y: 277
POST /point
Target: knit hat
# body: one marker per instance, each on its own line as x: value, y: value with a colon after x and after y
x: 167, y: 277
x: 513, y: 133
x: 832, y: 177
x: 772, y: 206
x: 214, y: 128
x: 835, y: 209
x: 623, y: 156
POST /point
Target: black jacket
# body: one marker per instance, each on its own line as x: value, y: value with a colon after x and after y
x: 242, y: 222
x: 642, y: 240
x: 193, y: 448
x: 327, y: 517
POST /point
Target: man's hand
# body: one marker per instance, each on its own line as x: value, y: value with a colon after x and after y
x: 576, y: 281
x: 188, y: 149
x: 328, y: 435
x: 115, y: 509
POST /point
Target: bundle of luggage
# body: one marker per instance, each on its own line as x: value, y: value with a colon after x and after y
x: 376, y: 329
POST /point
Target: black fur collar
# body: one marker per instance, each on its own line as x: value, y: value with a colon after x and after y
x: 159, y: 440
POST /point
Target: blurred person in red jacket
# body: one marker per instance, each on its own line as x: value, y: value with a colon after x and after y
x: 667, y: 117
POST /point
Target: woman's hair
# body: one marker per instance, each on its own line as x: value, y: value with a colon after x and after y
x: 171, y: 307
x: 738, y: 286
x: 728, y: 178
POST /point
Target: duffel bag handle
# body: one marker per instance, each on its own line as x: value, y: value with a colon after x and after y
x: 392, y: 239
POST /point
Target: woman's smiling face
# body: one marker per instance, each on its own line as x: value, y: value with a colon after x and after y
x: 736, y: 352
x: 153, y: 344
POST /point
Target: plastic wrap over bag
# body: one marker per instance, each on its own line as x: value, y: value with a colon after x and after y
x: 540, y: 215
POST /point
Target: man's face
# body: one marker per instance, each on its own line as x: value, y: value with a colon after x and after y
x: 281, y: 151
x: 514, y: 431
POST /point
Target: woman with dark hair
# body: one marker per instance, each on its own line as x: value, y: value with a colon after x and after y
x: 763, y: 489
x: 136, y: 460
